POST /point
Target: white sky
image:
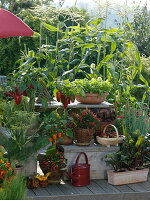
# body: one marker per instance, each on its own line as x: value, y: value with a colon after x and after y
x: 90, y: 3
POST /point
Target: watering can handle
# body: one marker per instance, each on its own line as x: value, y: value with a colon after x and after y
x: 77, y: 160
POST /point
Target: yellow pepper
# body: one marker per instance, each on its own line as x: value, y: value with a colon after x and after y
x: 43, y: 178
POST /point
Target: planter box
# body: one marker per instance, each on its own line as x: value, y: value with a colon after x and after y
x: 121, y: 178
x: 92, y: 98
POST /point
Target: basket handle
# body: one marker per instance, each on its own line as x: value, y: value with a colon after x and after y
x: 77, y: 160
x: 113, y: 127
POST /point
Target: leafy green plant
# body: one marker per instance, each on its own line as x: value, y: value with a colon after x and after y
x: 84, y: 119
x: 132, y: 153
x: 135, y: 117
x: 93, y: 86
x: 55, y: 125
x: 9, y: 187
x: 13, y: 118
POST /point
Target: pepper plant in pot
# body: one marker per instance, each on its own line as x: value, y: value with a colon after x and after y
x: 65, y: 92
x: 56, y: 127
x: 84, y: 123
x: 129, y: 163
x: 93, y: 91
x: 53, y: 162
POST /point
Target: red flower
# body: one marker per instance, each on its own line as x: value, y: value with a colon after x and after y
x: 18, y: 99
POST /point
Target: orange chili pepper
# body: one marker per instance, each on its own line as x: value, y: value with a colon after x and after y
x: 54, y: 137
x: 59, y: 135
x: 50, y: 139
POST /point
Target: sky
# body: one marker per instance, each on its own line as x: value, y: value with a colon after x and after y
x: 116, y: 8
x: 90, y: 3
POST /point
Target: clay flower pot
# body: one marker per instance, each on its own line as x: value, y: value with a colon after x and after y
x: 92, y: 98
x: 65, y: 140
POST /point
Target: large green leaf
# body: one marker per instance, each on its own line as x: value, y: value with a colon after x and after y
x: 95, y: 22
x: 113, y: 47
x: 87, y: 45
x: 50, y: 28
x: 104, y: 61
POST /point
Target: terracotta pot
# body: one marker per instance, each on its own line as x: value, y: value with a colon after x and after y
x: 92, y: 98
x: 121, y: 178
x: 83, y: 136
x: 19, y: 170
x: 65, y: 140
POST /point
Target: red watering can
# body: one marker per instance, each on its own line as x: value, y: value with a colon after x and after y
x: 80, y: 173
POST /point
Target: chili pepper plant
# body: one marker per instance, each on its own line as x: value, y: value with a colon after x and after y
x: 56, y: 125
x: 84, y: 119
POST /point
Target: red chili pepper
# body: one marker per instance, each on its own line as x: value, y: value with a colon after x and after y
x: 58, y: 96
x: 67, y: 101
x: 63, y: 97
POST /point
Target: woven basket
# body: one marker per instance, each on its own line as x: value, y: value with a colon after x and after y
x: 84, y: 136
x: 110, y: 141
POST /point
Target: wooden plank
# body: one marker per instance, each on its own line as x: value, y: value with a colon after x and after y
x: 30, y: 193
x: 106, y: 186
x: 95, y: 188
x: 41, y: 192
x: 54, y: 190
x: 148, y: 179
x: 68, y: 189
x: 107, y: 196
x: 136, y: 187
x: 124, y: 188
x: 145, y: 185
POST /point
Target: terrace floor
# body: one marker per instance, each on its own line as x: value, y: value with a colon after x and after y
x: 97, y: 190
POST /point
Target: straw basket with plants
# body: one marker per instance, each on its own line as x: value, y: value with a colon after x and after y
x: 84, y: 124
x: 53, y: 162
x: 110, y: 138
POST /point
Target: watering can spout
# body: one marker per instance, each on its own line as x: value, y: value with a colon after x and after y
x: 73, y: 177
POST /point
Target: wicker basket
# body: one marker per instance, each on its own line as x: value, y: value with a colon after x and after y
x: 110, y: 141
x: 55, y: 176
x: 84, y: 136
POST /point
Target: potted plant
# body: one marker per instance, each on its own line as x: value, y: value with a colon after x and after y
x: 54, y: 162
x: 129, y: 162
x: 17, y: 138
x: 65, y: 92
x: 84, y: 124
x: 110, y: 138
x: 56, y: 127
x: 93, y: 91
